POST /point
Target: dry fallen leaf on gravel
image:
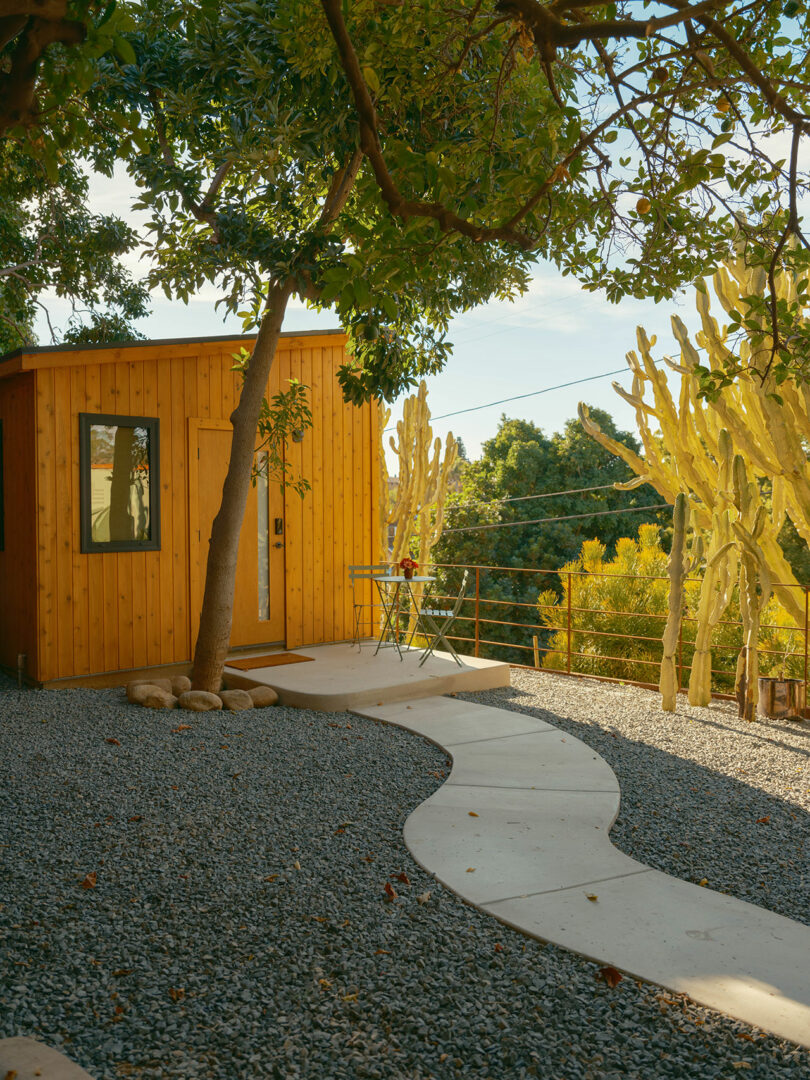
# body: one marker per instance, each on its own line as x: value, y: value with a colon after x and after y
x: 182, y: 727
x: 390, y: 891
x: 89, y: 882
x: 402, y: 877
x: 611, y: 975
x: 177, y: 993
x: 114, y: 742
x: 423, y: 898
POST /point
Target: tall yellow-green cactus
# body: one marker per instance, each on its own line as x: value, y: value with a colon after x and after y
x: 690, y: 444
x: 417, y: 507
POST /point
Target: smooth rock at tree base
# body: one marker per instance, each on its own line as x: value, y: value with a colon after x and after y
x: 150, y: 695
x: 236, y: 700
x: 262, y: 696
x: 180, y: 684
x: 27, y: 1059
x: 199, y: 701
x: 163, y: 684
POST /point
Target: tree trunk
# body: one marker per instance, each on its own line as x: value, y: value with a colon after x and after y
x: 216, y: 617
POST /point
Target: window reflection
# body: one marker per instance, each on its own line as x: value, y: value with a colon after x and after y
x: 120, y: 458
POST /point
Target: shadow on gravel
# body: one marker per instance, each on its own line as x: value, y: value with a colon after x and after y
x: 754, y: 735
x: 694, y: 822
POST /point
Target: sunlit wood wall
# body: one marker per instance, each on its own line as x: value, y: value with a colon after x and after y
x: 118, y: 611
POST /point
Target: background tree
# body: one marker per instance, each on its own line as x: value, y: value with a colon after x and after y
x: 521, y: 463
x: 52, y: 245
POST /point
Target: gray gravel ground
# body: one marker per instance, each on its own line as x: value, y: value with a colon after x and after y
x: 238, y: 926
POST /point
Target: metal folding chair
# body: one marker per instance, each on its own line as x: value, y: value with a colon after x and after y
x: 437, y: 621
x: 363, y: 573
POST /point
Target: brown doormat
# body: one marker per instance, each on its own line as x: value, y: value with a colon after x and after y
x: 271, y: 660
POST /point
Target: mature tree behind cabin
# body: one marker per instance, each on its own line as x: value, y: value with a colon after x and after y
x: 255, y: 181
x: 521, y: 461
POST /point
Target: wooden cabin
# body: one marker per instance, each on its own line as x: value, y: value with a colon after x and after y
x: 111, y: 467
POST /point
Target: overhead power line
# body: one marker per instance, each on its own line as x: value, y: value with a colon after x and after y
x: 533, y: 393
x: 525, y: 498
x: 565, y: 517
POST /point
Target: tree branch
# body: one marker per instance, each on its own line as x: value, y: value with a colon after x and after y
x: 18, y: 85
x: 16, y: 270
x: 371, y: 147
x: 340, y: 188
x: 201, y: 211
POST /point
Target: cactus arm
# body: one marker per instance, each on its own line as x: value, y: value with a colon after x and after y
x: 668, y: 683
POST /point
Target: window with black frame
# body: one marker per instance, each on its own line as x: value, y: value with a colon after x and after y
x: 119, y: 459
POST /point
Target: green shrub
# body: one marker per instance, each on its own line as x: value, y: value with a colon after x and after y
x: 618, y: 612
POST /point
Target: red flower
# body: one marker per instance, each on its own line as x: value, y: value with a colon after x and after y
x: 408, y: 564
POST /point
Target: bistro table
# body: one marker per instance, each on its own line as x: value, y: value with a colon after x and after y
x: 390, y: 590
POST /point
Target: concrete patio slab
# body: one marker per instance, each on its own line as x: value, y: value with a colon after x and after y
x: 346, y: 677
x: 520, y: 830
x: 27, y: 1059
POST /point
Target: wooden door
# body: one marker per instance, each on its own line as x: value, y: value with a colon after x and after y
x: 258, y: 610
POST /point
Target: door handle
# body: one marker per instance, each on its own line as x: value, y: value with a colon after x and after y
x: 278, y: 544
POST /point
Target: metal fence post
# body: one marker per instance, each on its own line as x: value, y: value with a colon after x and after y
x: 477, y: 607
x: 569, y: 623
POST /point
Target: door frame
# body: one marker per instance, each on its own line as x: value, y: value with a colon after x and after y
x: 195, y: 425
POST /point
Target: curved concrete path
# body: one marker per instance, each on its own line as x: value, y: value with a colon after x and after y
x: 520, y: 830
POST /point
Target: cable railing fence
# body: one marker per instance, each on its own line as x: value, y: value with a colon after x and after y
x: 542, y: 619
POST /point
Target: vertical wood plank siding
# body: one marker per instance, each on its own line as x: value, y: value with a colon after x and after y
x: 333, y: 526
x: 108, y: 611
x: 18, y: 627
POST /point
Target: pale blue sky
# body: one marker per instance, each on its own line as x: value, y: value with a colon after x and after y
x: 555, y: 333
